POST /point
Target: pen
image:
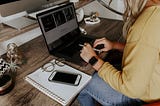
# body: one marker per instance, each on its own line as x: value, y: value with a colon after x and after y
x: 97, y: 50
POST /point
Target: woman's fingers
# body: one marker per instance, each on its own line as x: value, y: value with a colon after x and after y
x: 99, y: 41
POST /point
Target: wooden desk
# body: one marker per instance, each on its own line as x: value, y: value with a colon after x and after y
x: 36, y: 53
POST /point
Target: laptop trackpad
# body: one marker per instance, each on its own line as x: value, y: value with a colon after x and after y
x: 72, y: 53
x: 71, y: 50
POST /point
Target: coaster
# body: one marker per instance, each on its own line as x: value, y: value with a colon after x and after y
x: 6, y: 84
x: 88, y: 20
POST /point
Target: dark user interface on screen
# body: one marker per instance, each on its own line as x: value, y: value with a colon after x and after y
x: 65, y: 77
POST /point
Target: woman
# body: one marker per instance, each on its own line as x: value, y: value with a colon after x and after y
x: 139, y: 80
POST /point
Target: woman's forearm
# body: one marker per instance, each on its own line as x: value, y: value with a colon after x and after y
x: 119, y: 46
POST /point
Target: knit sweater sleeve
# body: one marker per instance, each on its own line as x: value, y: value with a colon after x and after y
x: 140, y: 56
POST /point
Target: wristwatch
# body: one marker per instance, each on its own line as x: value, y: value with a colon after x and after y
x: 93, y: 60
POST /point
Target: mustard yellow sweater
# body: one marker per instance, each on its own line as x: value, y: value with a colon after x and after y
x: 140, y: 75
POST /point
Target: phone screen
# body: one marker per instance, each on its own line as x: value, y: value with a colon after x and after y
x: 63, y: 77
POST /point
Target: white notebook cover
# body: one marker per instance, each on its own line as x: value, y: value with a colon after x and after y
x: 20, y: 23
x: 61, y: 93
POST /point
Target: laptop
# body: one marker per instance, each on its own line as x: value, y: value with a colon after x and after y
x: 61, y: 32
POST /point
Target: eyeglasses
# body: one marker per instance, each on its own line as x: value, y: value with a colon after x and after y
x: 49, y: 67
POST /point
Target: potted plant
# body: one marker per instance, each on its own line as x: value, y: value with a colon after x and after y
x: 8, y: 68
x: 6, y: 80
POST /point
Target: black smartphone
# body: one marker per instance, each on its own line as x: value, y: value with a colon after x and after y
x: 65, y: 77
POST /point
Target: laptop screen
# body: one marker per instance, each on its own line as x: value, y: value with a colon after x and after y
x: 61, y: 33
x: 59, y: 25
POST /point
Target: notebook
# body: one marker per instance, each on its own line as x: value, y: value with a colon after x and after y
x: 20, y: 23
x: 62, y: 93
x: 61, y: 33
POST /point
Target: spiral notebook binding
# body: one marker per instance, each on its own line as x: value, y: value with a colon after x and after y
x: 45, y: 90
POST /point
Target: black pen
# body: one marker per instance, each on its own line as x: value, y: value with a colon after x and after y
x: 97, y: 50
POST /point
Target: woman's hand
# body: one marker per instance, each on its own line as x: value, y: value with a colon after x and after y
x: 87, y: 52
x: 108, y: 45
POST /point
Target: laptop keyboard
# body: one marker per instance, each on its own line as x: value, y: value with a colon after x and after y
x: 85, y: 40
x: 73, y: 48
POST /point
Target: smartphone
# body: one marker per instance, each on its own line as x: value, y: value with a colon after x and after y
x: 65, y: 77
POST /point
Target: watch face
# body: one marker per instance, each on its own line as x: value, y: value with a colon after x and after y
x: 93, y: 60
